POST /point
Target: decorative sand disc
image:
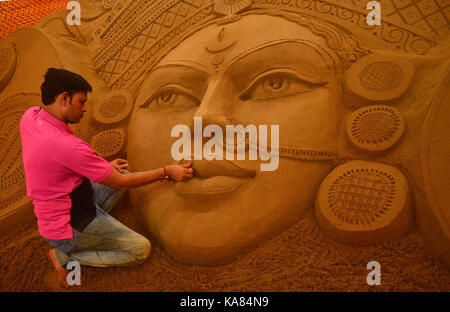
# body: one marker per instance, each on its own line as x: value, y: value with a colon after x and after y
x: 115, y: 108
x: 379, y: 77
x: 12, y: 177
x: 363, y: 203
x: 108, y: 143
x: 375, y: 128
x: 7, y: 65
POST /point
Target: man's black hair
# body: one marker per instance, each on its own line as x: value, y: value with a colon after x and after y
x: 58, y: 81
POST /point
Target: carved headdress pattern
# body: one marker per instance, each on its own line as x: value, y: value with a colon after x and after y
x: 137, y: 33
x: 231, y: 7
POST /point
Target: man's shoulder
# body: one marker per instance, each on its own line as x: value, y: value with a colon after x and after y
x: 29, y: 113
x: 32, y: 109
x: 67, y: 141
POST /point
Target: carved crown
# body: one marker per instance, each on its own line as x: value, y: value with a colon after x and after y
x: 134, y: 34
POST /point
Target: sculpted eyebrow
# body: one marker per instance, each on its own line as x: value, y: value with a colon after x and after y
x: 189, y: 77
x: 283, y: 55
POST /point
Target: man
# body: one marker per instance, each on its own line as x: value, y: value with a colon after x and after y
x: 62, y: 174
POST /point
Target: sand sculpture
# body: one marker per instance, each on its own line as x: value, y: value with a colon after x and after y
x: 363, y: 114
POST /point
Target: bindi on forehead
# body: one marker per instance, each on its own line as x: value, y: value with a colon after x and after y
x: 219, y: 46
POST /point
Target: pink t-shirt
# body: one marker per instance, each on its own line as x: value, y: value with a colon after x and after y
x: 55, y: 162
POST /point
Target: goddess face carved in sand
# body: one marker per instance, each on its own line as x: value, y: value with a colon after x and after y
x: 259, y: 68
x: 234, y: 72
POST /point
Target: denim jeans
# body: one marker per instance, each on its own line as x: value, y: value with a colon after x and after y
x: 105, y: 242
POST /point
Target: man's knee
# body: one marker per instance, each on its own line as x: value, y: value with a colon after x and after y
x: 143, y: 249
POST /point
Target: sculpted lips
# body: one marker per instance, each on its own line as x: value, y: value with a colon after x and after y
x: 212, y: 168
x: 214, y: 177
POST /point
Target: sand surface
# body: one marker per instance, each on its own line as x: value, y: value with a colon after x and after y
x: 300, y: 259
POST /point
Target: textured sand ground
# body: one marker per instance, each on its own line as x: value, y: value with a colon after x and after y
x: 299, y: 259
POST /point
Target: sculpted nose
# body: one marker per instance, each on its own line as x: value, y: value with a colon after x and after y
x: 219, y: 120
x: 214, y: 108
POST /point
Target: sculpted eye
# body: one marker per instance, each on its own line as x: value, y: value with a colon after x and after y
x: 171, y: 98
x: 166, y: 99
x: 275, y: 84
x: 279, y: 83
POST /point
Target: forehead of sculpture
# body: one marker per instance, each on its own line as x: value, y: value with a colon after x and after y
x: 216, y: 47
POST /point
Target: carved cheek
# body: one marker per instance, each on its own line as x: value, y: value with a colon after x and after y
x: 146, y: 142
x: 149, y: 137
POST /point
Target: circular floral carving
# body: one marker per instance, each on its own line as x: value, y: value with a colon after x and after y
x: 375, y: 128
x: 364, y: 202
x: 108, y: 143
x: 381, y: 76
x: 361, y: 196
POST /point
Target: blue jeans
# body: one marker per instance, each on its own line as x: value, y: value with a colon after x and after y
x: 105, y: 242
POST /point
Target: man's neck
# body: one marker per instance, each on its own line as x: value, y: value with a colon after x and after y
x: 52, y: 112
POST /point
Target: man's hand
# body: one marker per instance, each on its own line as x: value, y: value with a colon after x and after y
x: 180, y: 172
x: 120, y: 165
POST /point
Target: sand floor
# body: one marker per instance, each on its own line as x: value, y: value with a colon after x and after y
x: 300, y: 259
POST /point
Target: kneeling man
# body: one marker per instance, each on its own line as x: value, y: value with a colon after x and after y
x: 73, y: 188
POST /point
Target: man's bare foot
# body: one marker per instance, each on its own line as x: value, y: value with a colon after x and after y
x: 61, y: 273
x: 50, y: 280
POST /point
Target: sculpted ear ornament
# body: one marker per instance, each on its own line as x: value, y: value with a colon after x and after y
x: 376, y: 78
x: 374, y: 128
x: 112, y: 111
x: 108, y: 143
x: 115, y: 107
x: 379, y: 77
x: 363, y: 203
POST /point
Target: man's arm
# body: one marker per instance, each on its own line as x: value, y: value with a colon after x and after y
x: 126, y: 181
